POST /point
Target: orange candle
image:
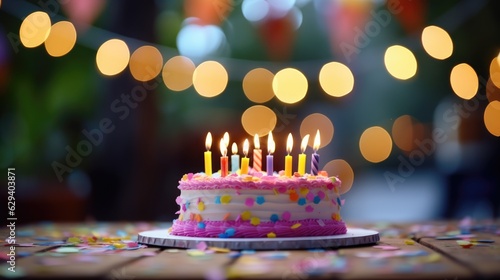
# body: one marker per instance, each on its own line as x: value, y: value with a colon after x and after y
x: 245, y: 161
x: 223, y: 159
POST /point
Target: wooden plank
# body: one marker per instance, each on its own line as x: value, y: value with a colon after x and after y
x: 483, y: 259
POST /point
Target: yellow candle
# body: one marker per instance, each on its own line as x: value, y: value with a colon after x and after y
x: 208, y: 155
x: 288, y: 157
x: 245, y: 161
x: 302, y: 156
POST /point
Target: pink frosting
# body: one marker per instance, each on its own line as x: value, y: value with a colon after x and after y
x: 244, y: 229
x: 200, y: 181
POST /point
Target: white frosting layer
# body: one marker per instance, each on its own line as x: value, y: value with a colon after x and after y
x: 232, y: 204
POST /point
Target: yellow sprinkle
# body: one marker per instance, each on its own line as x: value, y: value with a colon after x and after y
x: 434, y: 257
x: 219, y: 249
x: 181, y: 216
x: 304, y: 191
x: 225, y: 199
x: 271, y: 235
x: 201, y: 206
x: 409, y: 242
x: 73, y: 240
x: 185, y: 177
x: 119, y: 245
x: 336, y: 216
x: 275, y: 192
x: 245, y: 216
x: 255, y: 221
x: 297, y: 225
x: 247, y: 179
x: 195, y: 253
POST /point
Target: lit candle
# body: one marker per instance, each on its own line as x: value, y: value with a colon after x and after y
x: 288, y: 157
x: 223, y: 158
x: 208, y: 155
x: 315, y: 156
x: 235, y: 159
x: 270, y: 150
x: 245, y: 161
x: 257, y: 154
x: 226, y: 139
x: 302, y: 156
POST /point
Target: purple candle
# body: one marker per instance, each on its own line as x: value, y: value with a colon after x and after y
x: 270, y: 150
x: 315, y: 156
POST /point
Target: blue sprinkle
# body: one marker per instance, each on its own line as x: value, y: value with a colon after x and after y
x: 201, y: 225
x: 274, y: 218
x: 217, y: 199
x: 223, y: 235
x: 260, y: 200
x: 317, y: 199
x: 187, y: 204
x: 247, y: 252
x: 302, y: 201
x: 230, y: 232
x: 338, y: 201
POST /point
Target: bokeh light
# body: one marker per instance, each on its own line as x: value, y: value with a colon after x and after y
x: 400, y: 62
x: 336, y: 79
x: 178, y: 73
x: 258, y: 85
x: 405, y: 130
x: 437, y: 42
x: 35, y: 29
x: 290, y: 85
x: 342, y: 169
x: 255, y: 10
x: 210, y: 78
x: 312, y: 123
x: 258, y: 119
x: 492, y: 91
x: 375, y: 144
x: 145, y: 63
x: 495, y: 71
x: 112, y: 57
x: 464, y: 81
x: 492, y: 117
x: 195, y: 40
x: 62, y: 39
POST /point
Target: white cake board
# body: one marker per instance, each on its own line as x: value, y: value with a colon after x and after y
x: 353, y: 237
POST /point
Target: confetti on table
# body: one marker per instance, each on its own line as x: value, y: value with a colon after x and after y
x: 409, y: 242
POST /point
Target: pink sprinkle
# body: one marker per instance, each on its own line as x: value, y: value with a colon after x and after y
x: 202, y: 246
x: 132, y: 245
x: 282, y: 189
x: 309, y: 208
x: 249, y: 202
x: 310, y: 196
x: 342, y: 202
x: 334, y: 202
x: 178, y: 200
x: 286, y: 216
x: 321, y: 194
x: 190, y: 176
x: 183, y: 207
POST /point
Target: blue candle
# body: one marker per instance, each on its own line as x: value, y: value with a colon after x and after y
x: 235, y: 159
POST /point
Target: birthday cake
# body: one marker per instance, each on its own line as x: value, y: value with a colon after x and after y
x: 258, y: 205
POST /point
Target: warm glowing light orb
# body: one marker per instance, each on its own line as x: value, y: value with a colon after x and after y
x: 312, y: 123
x: 437, y: 42
x: 290, y: 85
x: 492, y: 91
x: 145, y: 63
x: 375, y: 144
x: 342, y: 169
x: 258, y: 85
x: 464, y: 81
x: 178, y: 73
x: 492, y: 118
x: 210, y: 78
x: 112, y: 57
x: 495, y: 71
x: 400, y: 62
x: 336, y: 79
x: 61, y: 40
x: 35, y: 29
x: 259, y: 120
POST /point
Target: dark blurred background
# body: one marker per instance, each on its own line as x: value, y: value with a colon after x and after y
x: 47, y: 102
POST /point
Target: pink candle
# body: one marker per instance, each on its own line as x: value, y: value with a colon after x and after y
x: 257, y: 154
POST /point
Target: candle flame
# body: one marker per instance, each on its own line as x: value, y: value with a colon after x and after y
x: 289, y: 143
x: 270, y: 143
x: 317, y: 139
x: 303, y: 145
x: 223, y: 147
x: 246, y: 146
x: 226, y: 139
x: 208, y: 141
x: 234, y: 148
x: 256, y: 141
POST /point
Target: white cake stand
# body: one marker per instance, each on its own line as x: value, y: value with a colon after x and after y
x: 353, y: 237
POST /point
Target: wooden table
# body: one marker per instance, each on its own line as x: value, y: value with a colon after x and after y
x: 107, y: 250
